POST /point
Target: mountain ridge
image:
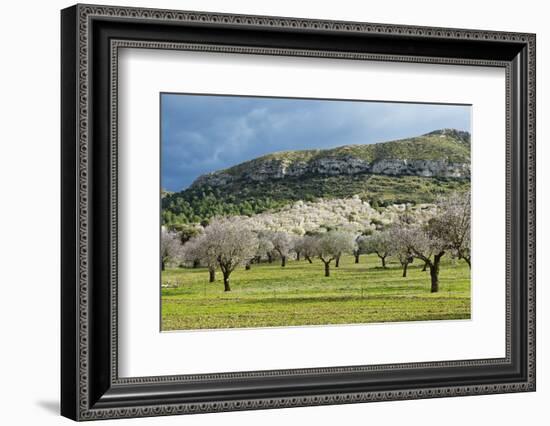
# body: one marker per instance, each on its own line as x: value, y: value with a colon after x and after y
x: 440, y: 153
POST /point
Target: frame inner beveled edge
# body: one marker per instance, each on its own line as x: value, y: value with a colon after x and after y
x: 117, y: 44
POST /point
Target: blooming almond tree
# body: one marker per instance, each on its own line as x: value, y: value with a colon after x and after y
x: 345, y: 241
x: 297, y: 245
x: 307, y: 246
x: 380, y: 243
x: 232, y: 243
x: 282, y: 244
x: 361, y: 242
x: 200, y: 249
x: 454, y: 223
x: 423, y: 243
x: 265, y: 246
x: 331, y: 245
x: 170, y: 247
x: 398, y: 248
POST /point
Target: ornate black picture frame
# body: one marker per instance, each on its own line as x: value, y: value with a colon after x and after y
x: 91, y: 37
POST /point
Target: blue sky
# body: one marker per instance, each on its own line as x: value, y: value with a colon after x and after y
x: 202, y: 134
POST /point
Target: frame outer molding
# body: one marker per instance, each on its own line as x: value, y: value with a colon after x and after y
x: 76, y: 403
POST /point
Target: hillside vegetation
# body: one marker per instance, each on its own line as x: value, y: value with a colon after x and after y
x: 261, y: 185
x: 349, y: 214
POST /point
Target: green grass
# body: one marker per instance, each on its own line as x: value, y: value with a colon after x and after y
x: 270, y: 296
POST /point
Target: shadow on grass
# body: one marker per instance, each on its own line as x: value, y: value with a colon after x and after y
x: 416, y: 297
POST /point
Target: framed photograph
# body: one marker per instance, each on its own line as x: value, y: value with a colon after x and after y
x: 263, y: 212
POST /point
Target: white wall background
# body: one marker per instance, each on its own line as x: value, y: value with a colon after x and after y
x: 29, y: 212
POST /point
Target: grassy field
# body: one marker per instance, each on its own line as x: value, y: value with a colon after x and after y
x: 299, y: 294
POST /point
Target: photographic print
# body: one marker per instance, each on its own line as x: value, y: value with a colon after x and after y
x: 280, y: 212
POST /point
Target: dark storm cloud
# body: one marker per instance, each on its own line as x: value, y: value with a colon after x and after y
x: 201, y: 134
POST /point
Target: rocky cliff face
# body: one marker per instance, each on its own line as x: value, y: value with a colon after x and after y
x: 278, y: 169
x: 425, y: 168
x: 340, y: 162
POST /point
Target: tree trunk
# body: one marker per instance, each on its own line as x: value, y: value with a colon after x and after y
x: 309, y: 259
x: 226, y: 286
x: 212, y: 273
x: 357, y: 258
x: 468, y: 259
x: 196, y: 263
x: 269, y: 257
x: 405, y: 266
x: 337, y: 263
x: 247, y: 266
x: 283, y: 261
x: 434, y: 272
x: 298, y: 256
x: 425, y: 266
x: 383, y: 261
x: 327, y: 269
x: 162, y: 265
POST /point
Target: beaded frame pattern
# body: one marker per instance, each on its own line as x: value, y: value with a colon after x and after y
x: 87, y: 12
